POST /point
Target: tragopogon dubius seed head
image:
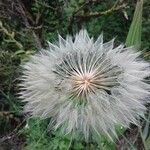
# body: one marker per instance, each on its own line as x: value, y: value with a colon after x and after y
x: 85, y: 85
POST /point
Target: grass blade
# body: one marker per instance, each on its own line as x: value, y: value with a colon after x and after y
x: 134, y: 34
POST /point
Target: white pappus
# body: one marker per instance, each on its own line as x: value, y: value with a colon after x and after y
x: 86, y: 85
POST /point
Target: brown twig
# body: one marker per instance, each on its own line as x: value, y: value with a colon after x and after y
x: 97, y: 14
x: 76, y: 15
x: 71, y: 19
x: 14, y: 133
x: 11, y: 36
x: 28, y: 20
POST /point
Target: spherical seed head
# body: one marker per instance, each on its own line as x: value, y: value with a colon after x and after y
x: 86, y: 86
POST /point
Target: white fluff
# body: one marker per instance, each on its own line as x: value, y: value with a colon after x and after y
x: 86, y: 86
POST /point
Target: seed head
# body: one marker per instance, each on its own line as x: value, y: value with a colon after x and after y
x: 86, y: 86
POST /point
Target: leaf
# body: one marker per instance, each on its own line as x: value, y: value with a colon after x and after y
x: 134, y: 34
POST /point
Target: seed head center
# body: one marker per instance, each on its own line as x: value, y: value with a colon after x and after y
x: 86, y: 83
x: 83, y: 81
x: 83, y: 84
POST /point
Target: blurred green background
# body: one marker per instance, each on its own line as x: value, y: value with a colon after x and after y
x: 25, y: 28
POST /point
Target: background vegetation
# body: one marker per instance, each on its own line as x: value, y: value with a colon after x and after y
x: 25, y: 26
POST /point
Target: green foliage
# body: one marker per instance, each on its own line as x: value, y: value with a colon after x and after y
x: 38, y: 137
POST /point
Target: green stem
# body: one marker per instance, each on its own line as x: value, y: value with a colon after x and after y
x: 144, y: 144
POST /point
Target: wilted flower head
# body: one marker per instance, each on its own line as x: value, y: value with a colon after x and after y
x: 86, y: 86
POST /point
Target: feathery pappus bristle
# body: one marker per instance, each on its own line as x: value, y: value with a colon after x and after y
x: 86, y: 85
